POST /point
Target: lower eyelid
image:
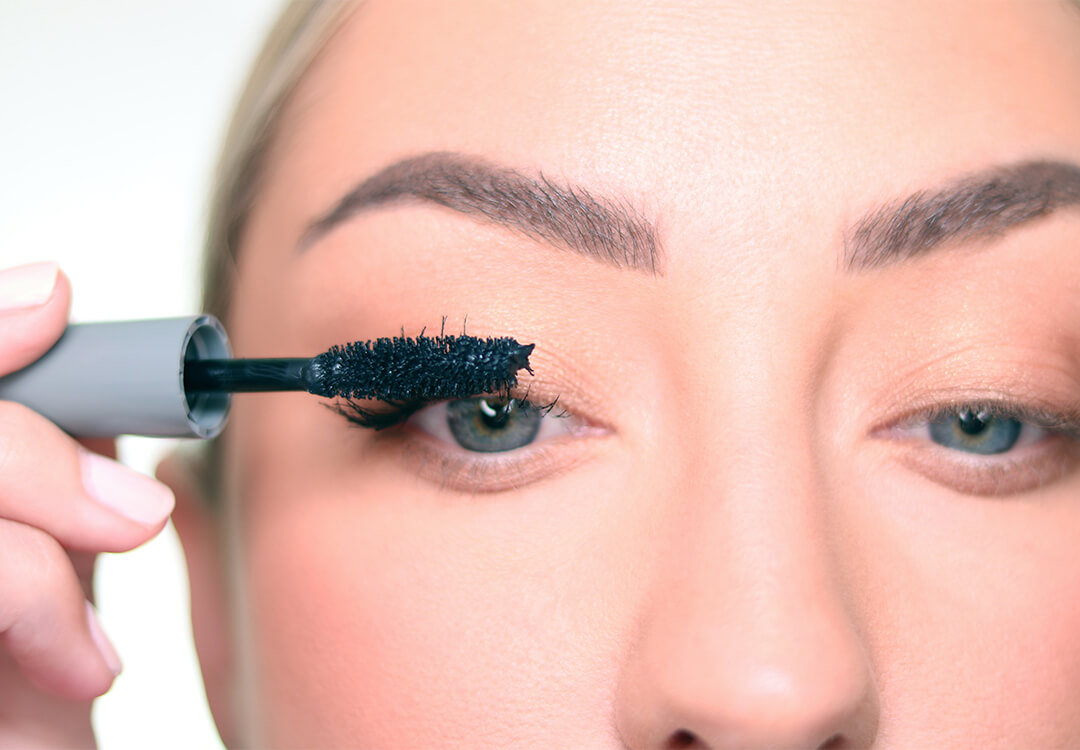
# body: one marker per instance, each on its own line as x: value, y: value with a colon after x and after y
x: 1037, y: 465
x: 453, y: 468
x: 427, y: 447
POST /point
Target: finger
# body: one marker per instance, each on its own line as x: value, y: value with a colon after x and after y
x: 46, y: 625
x: 84, y: 500
x: 83, y: 563
x: 34, y: 303
x: 33, y: 718
x: 104, y: 446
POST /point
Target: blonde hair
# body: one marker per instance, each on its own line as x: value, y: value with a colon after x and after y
x: 297, y: 37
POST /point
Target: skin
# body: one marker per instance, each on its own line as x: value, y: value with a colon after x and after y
x: 733, y: 553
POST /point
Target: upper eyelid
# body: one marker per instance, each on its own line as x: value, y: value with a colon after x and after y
x: 382, y: 415
x: 1049, y: 408
x: 1032, y: 415
x: 548, y: 410
x: 391, y: 415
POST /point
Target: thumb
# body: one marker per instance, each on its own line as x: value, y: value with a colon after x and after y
x: 34, y: 302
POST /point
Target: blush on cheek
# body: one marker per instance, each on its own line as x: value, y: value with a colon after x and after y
x: 382, y: 623
x: 334, y: 638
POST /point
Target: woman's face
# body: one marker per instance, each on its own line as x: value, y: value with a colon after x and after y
x: 817, y: 366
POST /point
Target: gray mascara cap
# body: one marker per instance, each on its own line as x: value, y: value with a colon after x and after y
x: 126, y: 378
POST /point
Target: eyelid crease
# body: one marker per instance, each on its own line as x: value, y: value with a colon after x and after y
x: 989, y: 368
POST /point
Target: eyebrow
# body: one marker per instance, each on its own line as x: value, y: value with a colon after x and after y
x: 605, y: 229
x: 983, y: 205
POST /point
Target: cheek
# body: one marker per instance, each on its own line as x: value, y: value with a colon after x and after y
x: 1019, y: 613
x: 347, y: 618
x: 385, y: 614
x: 972, y: 608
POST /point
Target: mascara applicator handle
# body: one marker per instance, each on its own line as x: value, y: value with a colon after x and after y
x: 126, y: 378
x: 247, y: 375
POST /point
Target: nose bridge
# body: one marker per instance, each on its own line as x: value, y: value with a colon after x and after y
x: 753, y: 475
x: 745, y: 639
x: 759, y: 582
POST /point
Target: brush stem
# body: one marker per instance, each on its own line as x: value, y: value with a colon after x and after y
x: 246, y: 375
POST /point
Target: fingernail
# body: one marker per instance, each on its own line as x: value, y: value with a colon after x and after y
x: 127, y: 492
x: 104, y: 645
x: 27, y: 286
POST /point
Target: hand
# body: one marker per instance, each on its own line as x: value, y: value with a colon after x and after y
x: 60, y: 504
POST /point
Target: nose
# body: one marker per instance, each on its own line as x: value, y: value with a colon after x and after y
x: 745, y: 639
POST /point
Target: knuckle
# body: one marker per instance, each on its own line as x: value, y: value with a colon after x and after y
x: 20, y: 433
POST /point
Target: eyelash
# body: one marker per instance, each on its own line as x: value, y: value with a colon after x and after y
x: 1002, y: 409
x: 390, y: 414
x: 394, y: 413
x: 1058, y: 453
x: 456, y: 468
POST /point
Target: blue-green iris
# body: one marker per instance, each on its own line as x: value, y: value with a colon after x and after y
x: 491, y: 425
x: 976, y: 432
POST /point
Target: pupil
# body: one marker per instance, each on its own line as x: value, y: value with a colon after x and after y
x: 971, y: 423
x: 494, y: 417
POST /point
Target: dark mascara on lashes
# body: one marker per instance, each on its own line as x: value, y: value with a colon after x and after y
x: 174, y: 377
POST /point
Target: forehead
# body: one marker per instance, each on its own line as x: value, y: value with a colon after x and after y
x: 721, y: 117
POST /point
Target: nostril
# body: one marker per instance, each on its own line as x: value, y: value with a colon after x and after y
x: 681, y: 739
x: 686, y: 739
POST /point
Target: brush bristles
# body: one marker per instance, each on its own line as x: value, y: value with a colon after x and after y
x: 402, y: 369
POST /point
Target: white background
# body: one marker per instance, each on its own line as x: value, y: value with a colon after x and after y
x: 111, y: 114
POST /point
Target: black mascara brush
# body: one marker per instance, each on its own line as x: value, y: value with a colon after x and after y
x: 175, y: 377
x: 388, y: 369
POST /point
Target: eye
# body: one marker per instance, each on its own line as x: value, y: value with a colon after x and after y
x: 982, y: 432
x: 990, y: 448
x: 488, y: 424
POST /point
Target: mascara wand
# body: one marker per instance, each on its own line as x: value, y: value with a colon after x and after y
x: 388, y: 369
x: 174, y: 377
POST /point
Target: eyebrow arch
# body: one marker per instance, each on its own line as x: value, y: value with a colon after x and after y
x: 566, y: 216
x: 983, y: 205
